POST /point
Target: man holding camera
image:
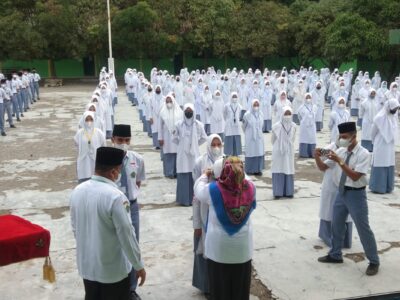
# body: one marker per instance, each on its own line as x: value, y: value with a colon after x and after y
x: 351, y: 163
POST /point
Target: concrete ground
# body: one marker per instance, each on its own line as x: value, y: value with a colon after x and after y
x: 37, y: 167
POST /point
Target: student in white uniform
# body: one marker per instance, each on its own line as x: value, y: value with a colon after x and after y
x: 106, y: 246
x: 36, y: 80
x: 233, y: 140
x: 351, y: 163
x: 266, y: 106
x: 189, y: 135
x: 206, y: 101
x: 170, y: 114
x: 254, y: 141
x: 283, y: 138
x: 217, y: 122
x: 87, y: 139
x: 229, y: 236
x: 338, y: 116
x: 355, y: 98
x: 200, y: 213
x: 299, y: 93
x: 327, y: 200
x: 132, y: 176
x: 368, y: 110
x: 318, y: 97
x: 154, y: 115
x: 279, y: 104
x: 106, y: 100
x: 384, y: 134
x: 307, y: 114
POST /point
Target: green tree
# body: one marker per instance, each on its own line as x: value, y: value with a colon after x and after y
x: 351, y: 36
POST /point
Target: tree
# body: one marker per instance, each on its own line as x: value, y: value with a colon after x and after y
x: 343, y: 43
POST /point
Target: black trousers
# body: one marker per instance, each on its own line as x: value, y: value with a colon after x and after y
x: 229, y: 281
x: 107, y: 291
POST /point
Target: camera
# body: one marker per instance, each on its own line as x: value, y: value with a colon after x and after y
x: 325, y: 152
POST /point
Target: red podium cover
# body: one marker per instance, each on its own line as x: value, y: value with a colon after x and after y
x: 21, y: 240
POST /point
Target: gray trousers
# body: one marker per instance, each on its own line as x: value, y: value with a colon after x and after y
x: 134, y: 206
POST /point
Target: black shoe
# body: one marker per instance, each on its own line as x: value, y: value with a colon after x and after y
x: 135, y: 296
x: 12, y: 126
x: 3, y: 133
x: 22, y: 115
x: 372, y: 269
x: 330, y: 260
x: 277, y: 197
x: 13, y: 115
x: 258, y: 174
x: 18, y: 120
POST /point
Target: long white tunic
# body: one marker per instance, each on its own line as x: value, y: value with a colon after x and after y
x: 164, y: 135
x: 307, y: 116
x: 266, y: 100
x: 252, y: 126
x: 384, y: 153
x: 283, y: 162
x: 217, y: 121
x: 368, y: 110
x: 337, y: 117
x: 278, y: 107
x: 232, y: 119
x: 155, y: 104
x: 318, y: 97
x: 87, y: 151
x: 183, y: 137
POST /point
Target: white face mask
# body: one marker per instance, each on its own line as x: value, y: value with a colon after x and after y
x: 216, y: 151
x: 89, y: 124
x: 394, y: 89
x: 256, y: 108
x: 287, y: 119
x: 123, y: 147
x: 341, y: 106
x: 169, y: 105
x: 344, y: 142
x: 308, y: 100
x: 342, y: 87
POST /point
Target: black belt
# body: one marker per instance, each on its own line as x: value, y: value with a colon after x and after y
x: 133, y: 201
x: 350, y: 188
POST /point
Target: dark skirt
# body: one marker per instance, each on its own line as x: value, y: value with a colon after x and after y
x: 306, y: 150
x: 184, y: 189
x: 319, y: 125
x: 207, y: 129
x: 229, y: 281
x: 359, y: 122
x: 296, y: 119
x: 325, y: 233
x: 149, y: 131
x: 242, y: 112
x: 233, y: 145
x: 367, y: 145
x: 282, y: 185
x: 169, y: 164
x: 354, y: 112
x: 254, y: 165
x: 267, y: 126
x: 156, y: 143
x: 200, y: 269
x: 381, y: 180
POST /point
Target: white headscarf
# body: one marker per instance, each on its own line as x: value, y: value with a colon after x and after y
x: 172, y: 115
x: 190, y: 131
x: 210, y: 154
x: 387, y: 123
x: 284, y: 132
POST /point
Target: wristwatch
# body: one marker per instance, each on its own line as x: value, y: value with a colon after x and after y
x: 341, y: 163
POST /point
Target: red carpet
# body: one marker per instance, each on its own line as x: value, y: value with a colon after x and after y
x: 21, y: 240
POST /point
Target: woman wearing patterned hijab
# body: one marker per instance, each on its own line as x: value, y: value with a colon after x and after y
x: 229, y: 234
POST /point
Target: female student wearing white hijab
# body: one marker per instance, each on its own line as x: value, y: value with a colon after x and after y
x: 170, y: 114
x: 155, y: 104
x: 280, y: 103
x: 339, y: 116
x: 200, y: 212
x: 307, y: 114
x: 380, y: 93
x: 88, y: 139
x: 232, y: 141
x: 189, y: 135
x: 355, y: 98
x: 98, y: 122
x: 329, y: 190
x: 106, y: 100
x: 254, y: 141
x: 266, y: 105
x: 283, y: 138
x: 368, y: 110
x: 217, y: 122
x: 206, y: 101
x: 318, y: 98
x: 384, y: 134
x: 299, y: 92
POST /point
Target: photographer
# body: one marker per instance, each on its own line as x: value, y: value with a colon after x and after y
x: 351, y: 163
